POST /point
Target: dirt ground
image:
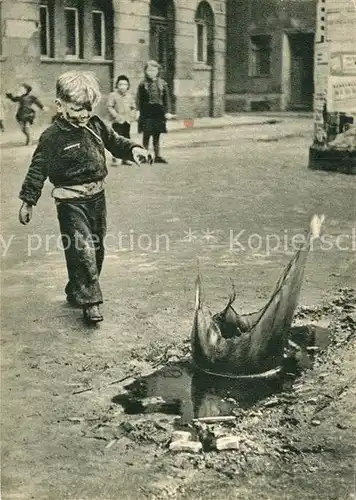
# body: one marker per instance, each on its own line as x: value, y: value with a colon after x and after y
x: 63, y: 438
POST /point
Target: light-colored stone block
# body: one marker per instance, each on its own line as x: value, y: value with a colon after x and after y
x: 181, y: 436
x: 228, y: 443
x: 190, y: 446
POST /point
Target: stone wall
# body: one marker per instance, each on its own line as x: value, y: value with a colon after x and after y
x: 268, y: 17
x: 21, y: 60
x: 199, y: 89
x: 132, y: 50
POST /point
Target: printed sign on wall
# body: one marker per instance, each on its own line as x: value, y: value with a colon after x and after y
x: 335, y: 72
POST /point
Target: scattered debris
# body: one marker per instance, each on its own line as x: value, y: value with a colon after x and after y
x: 152, y: 403
x: 220, y: 418
x: 346, y: 140
x: 268, y: 138
x: 181, y: 436
x: 80, y: 391
x: 75, y: 420
x: 228, y: 443
x: 111, y: 444
x: 351, y: 318
x: 182, y: 445
x: 285, y: 426
x: 327, y: 399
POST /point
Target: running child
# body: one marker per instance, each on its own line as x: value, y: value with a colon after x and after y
x: 26, y: 114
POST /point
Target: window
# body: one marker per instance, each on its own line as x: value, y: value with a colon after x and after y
x: 1, y: 29
x: 204, y: 34
x: 47, y: 29
x: 260, y: 55
x: 44, y: 33
x: 102, y: 30
x: 201, y: 43
x: 71, y: 19
x: 159, y: 8
x: 62, y: 32
x: 158, y: 42
x: 98, y: 34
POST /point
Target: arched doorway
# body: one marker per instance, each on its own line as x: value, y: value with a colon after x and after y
x: 204, y: 43
x: 162, y: 38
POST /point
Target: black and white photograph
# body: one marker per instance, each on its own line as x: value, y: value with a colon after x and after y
x: 178, y: 249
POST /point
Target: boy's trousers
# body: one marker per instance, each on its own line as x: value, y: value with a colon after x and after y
x: 83, y: 227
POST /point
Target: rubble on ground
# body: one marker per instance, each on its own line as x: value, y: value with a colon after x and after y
x: 345, y: 140
x: 278, y: 430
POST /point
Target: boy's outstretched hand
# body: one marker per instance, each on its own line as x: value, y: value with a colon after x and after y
x: 25, y: 214
x: 141, y: 155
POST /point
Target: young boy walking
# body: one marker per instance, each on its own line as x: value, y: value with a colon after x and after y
x: 122, y: 109
x: 71, y: 153
x: 26, y: 114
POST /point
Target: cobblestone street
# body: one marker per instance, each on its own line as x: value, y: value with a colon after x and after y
x: 237, y: 197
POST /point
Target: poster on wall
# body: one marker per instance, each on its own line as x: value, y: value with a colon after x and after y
x: 342, y: 94
x: 335, y: 75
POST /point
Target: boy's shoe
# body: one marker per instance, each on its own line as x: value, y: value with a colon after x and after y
x: 114, y: 162
x: 92, y: 314
x: 71, y: 300
x: 159, y: 159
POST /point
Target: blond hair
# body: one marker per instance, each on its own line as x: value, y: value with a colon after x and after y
x: 79, y: 87
x: 152, y: 64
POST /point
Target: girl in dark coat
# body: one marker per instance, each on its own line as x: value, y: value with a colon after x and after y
x: 25, y: 113
x: 153, y: 104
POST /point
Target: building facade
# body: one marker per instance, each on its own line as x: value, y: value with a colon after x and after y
x: 43, y: 38
x: 270, y: 54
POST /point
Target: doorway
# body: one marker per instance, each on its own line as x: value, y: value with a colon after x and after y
x: 162, y: 40
x: 301, y: 71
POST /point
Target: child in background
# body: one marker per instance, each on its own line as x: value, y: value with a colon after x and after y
x: 153, y: 104
x: 25, y: 115
x: 122, y: 109
x: 71, y: 153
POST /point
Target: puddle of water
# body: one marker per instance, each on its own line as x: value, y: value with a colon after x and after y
x: 179, y: 389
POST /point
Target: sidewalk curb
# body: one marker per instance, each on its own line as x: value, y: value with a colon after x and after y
x: 208, y: 126
x: 211, y: 126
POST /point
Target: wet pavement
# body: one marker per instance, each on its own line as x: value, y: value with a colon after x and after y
x: 184, y: 390
x: 179, y: 389
x: 57, y: 372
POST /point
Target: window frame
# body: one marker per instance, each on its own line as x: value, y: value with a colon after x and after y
x: 102, y: 34
x: 254, y: 54
x: 203, y: 24
x: 47, y: 33
x: 2, y: 33
x: 65, y: 31
x: 76, y: 33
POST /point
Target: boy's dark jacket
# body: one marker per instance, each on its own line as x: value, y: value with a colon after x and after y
x: 70, y: 155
